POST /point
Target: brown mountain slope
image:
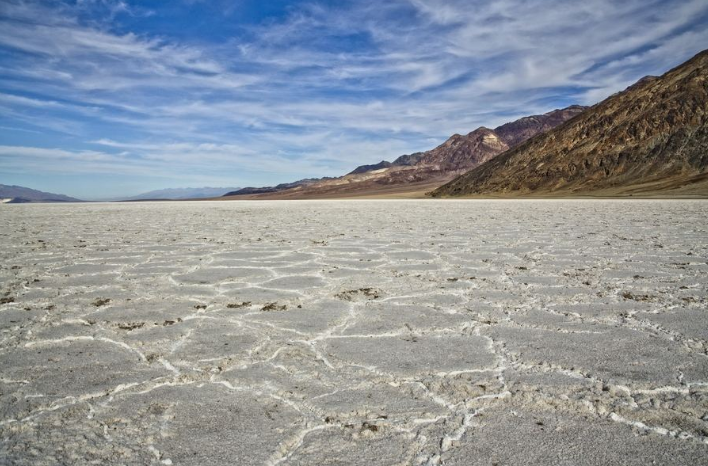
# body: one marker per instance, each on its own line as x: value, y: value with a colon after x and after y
x: 423, y: 171
x: 651, y: 138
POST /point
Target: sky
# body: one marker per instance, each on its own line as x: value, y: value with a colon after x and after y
x: 110, y: 98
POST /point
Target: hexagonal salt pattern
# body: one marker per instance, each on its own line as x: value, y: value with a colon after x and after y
x: 354, y: 332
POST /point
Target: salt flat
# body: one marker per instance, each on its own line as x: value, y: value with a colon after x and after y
x: 354, y: 332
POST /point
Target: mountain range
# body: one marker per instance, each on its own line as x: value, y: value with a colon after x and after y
x: 650, y: 139
x: 19, y: 194
x: 420, y: 171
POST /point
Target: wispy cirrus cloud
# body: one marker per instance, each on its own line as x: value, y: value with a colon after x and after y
x: 313, y: 89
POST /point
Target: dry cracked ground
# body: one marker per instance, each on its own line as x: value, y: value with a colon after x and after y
x: 354, y: 332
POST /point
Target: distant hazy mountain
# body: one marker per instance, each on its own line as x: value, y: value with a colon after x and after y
x: 651, y: 138
x: 19, y: 194
x: 182, y: 193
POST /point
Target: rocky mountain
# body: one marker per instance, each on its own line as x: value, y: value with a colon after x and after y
x: 518, y: 131
x: 461, y: 152
x: 410, y: 159
x: 422, y: 171
x: 20, y: 194
x: 652, y: 138
x: 182, y: 193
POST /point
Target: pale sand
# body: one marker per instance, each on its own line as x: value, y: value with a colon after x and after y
x: 414, y: 332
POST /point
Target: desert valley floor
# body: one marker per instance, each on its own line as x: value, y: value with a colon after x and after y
x: 354, y: 332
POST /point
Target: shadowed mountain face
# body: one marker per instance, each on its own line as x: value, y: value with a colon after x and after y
x: 650, y: 138
x: 423, y: 170
x: 19, y: 194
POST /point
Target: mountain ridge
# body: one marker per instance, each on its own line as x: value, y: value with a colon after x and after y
x: 421, y: 171
x: 651, y: 137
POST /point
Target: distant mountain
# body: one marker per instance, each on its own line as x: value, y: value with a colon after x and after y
x: 275, y: 189
x: 182, y: 193
x: 19, y: 194
x: 423, y: 171
x: 652, y: 138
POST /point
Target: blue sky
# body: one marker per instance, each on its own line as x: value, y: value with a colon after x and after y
x: 105, y: 98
